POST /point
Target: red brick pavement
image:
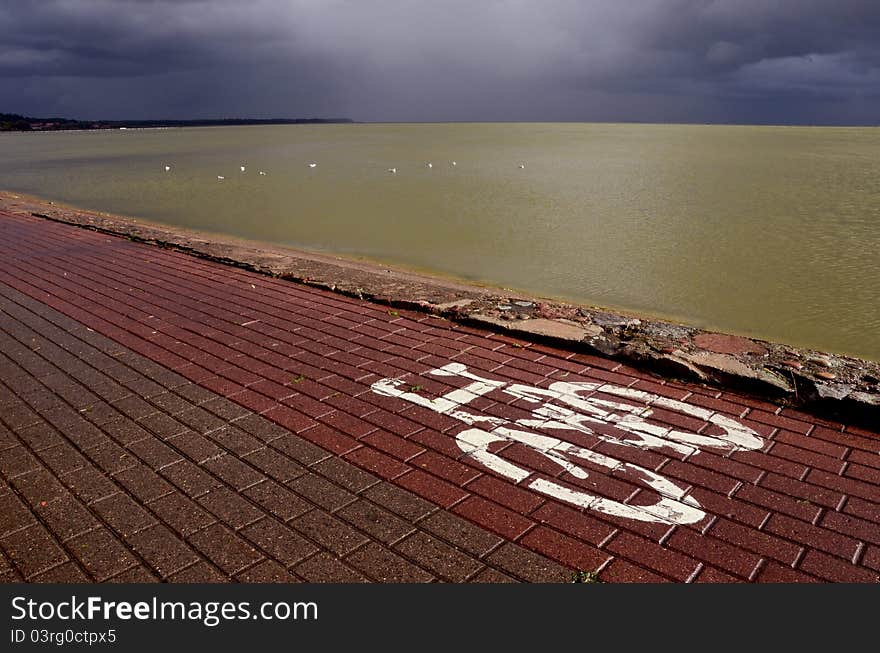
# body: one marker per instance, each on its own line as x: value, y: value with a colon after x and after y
x: 167, y: 417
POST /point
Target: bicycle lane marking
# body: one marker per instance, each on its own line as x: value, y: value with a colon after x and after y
x: 562, y: 407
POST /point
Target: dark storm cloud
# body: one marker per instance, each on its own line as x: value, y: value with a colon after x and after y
x: 682, y: 60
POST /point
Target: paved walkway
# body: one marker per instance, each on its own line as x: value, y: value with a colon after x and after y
x: 167, y: 418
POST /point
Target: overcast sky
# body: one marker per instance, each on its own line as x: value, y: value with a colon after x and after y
x: 762, y: 61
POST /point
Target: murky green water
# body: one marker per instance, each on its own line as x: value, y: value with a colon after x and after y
x: 765, y: 231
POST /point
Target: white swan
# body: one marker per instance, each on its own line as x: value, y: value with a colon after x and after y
x: 312, y: 165
x: 167, y: 168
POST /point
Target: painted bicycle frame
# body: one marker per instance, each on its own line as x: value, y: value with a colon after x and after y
x: 576, y: 406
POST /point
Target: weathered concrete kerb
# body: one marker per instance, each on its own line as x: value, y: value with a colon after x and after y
x: 838, y: 386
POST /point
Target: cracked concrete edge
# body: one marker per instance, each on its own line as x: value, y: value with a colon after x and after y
x: 842, y: 387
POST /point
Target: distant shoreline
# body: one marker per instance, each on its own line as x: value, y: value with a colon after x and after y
x: 15, y: 122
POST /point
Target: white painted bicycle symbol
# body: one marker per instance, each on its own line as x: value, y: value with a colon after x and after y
x: 568, y: 406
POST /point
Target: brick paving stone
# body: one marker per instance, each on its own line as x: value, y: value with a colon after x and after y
x: 194, y: 393
x: 118, y: 440
x: 230, y: 507
x: 385, y: 566
x: 126, y: 432
x: 38, y: 487
x: 66, y: 573
x: 189, y: 478
x: 162, y: 425
x: 89, y: 484
x: 279, y: 541
x: 773, y: 572
x: 101, y: 553
x: 857, y: 528
x: 767, y: 545
x: 62, y: 459
x: 137, y: 574
x: 225, y: 549
x: 802, y: 492
x: 508, y: 495
x: 734, y: 509
x: 144, y: 483
x: 14, y: 513
x: 201, y: 572
x: 200, y: 420
x: 564, y: 549
x: 164, y: 551
x: 260, y: 427
x: 134, y: 407
x: 461, y: 533
x: 399, y: 501
x: 438, y: 557
x: 847, y: 486
x: 112, y: 458
x: 172, y: 403
x: 865, y: 509
x: 322, y: 492
x: 817, y: 537
x: 713, y: 551
x: 154, y: 453
x: 776, y: 502
x: 712, y: 575
x: 16, y: 461
x: 377, y: 463
x: 32, y: 550
x: 489, y: 575
x: 277, y: 500
x: 267, y: 571
x: 432, y: 488
x: 196, y: 447
x: 833, y: 568
x: 299, y: 449
x: 235, y: 440
x: 40, y: 436
x: 621, y: 571
x: 585, y: 527
x: 491, y: 516
x: 871, y: 558
x: 328, y: 532
x: 527, y: 565
x: 660, y: 559
x: 332, y: 440
x: 67, y: 517
x: 375, y: 521
x: 325, y: 568
x: 345, y: 474
x: 181, y: 513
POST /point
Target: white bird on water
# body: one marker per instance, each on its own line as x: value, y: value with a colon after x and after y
x: 393, y: 171
x: 454, y: 163
x: 522, y: 166
x: 220, y: 177
x: 312, y: 165
x: 262, y: 173
x: 167, y: 168
x: 430, y: 165
x: 242, y: 168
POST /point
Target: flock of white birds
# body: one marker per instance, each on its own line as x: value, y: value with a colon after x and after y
x: 315, y: 165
